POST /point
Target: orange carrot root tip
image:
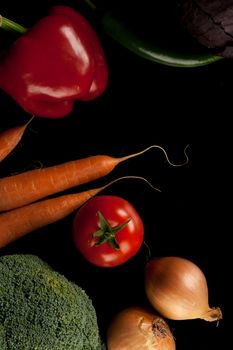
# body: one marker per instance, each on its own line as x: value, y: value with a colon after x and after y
x: 163, y: 150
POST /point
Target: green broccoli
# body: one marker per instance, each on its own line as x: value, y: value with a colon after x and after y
x: 41, y: 310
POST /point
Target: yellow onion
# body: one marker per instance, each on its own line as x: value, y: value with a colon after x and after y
x: 177, y: 289
x: 138, y: 329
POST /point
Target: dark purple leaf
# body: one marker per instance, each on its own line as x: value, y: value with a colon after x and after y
x: 211, y: 23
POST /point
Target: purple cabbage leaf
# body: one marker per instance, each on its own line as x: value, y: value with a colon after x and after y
x: 211, y: 23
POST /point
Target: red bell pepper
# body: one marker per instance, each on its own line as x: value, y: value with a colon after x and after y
x: 57, y: 61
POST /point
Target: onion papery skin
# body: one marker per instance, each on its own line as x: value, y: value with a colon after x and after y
x: 138, y: 329
x: 178, y: 290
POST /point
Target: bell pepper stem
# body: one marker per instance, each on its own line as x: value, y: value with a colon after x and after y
x: 11, y: 26
x: 90, y: 4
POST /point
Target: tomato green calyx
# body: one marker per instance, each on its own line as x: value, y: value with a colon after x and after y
x: 106, y: 233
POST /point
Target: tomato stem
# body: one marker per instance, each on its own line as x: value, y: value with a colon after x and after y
x: 106, y: 233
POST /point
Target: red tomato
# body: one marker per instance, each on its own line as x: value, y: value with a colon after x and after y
x: 95, y: 226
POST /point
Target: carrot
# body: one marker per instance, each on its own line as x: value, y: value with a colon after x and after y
x: 10, y: 138
x: 18, y: 222
x: 27, y: 187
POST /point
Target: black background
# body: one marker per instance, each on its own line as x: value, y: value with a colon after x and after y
x: 145, y: 103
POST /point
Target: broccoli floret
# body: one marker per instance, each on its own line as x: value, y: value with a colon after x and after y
x: 41, y: 310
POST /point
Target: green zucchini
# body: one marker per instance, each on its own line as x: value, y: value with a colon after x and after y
x: 119, y: 32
